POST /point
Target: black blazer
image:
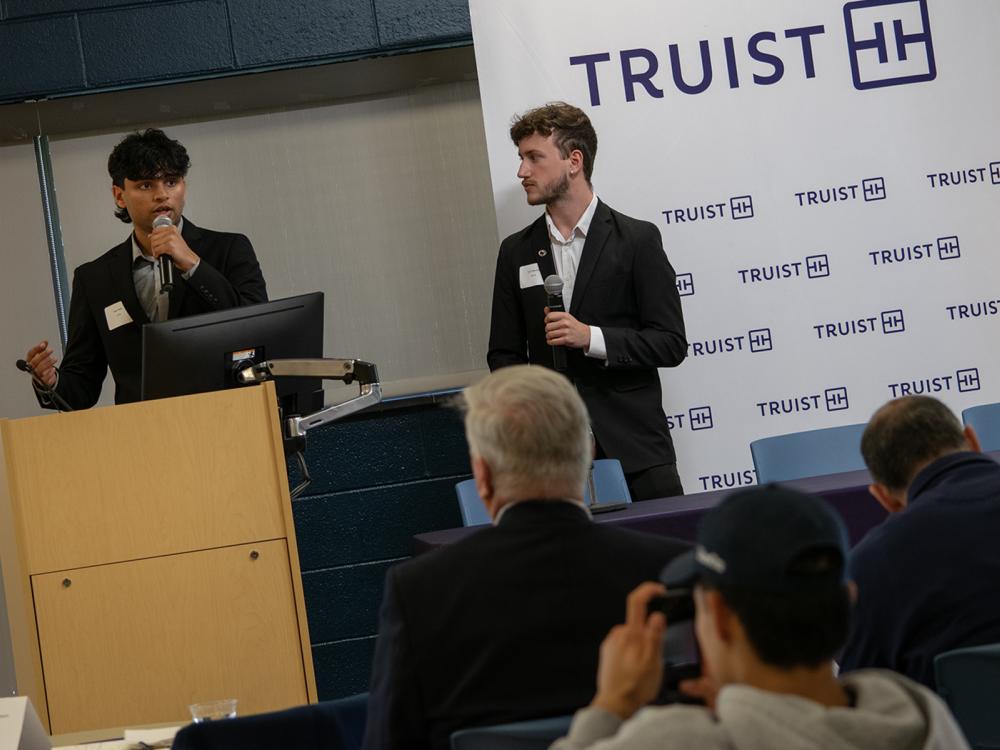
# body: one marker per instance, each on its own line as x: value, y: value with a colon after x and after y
x: 504, y: 625
x: 625, y: 286
x: 227, y: 276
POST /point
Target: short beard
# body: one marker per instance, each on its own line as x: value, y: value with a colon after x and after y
x: 553, y: 193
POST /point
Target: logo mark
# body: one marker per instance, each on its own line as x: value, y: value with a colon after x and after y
x: 948, y: 248
x: 889, y: 42
x: 685, y: 284
x: 817, y: 266
x: 836, y: 399
x: 760, y: 340
x: 873, y: 189
x: 968, y: 380
x: 892, y: 321
x: 741, y: 207
x: 700, y: 417
x: 995, y: 172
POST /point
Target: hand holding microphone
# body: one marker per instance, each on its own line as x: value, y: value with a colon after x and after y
x: 170, y: 249
x: 562, y: 329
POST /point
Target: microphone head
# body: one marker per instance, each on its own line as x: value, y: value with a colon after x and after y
x: 553, y: 285
x: 22, y: 366
x: 162, y: 221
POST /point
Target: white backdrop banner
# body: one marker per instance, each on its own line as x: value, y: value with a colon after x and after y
x: 826, y: 178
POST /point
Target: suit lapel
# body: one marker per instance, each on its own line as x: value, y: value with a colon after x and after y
x: 600, y: 230
x: 541, y: 248
x: 122, y: 283
x: 191, y: 234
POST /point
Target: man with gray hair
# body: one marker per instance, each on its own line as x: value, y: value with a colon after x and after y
x: 505, y: 625
x: 929, y: 577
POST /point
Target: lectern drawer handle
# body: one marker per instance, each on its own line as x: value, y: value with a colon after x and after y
x: 254, y: 554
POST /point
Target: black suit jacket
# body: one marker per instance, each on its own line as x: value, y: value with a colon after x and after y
x: 625, y: 286
x: 504, y: 625
x: 227, y: 276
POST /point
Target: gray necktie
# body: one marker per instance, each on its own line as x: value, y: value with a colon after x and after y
x: 146, y: 286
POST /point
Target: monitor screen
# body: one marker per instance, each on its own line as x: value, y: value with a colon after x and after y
x: 204, y: 352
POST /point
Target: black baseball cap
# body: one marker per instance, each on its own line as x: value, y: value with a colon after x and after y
x: 753, y: 539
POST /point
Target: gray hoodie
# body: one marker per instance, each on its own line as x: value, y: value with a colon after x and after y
x: 890, y: 712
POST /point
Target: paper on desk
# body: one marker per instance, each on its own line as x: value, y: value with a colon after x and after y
x: 112, y: 745
x: 150, y: 736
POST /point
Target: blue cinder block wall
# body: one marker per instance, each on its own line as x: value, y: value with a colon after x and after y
x: 67, y: 47
x: 378, y: 479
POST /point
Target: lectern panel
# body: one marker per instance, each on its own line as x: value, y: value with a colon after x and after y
x: 136, y: 642
x: 140, y: 480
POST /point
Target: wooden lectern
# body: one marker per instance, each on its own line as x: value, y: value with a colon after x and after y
x: 149, y: 561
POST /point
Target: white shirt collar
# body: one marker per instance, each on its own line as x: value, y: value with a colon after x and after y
x: 582, y: 226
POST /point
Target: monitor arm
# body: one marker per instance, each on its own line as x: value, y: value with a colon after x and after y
x: 296, y: 427
x: 347, y: 370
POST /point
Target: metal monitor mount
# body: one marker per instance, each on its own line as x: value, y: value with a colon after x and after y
x: 296, y: 427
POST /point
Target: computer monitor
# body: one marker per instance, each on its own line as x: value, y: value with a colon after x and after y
x: 204, y: 352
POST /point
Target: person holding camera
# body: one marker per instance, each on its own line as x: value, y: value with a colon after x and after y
x: 772, y: 608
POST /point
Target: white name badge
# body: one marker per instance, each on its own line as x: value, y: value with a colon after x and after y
x: 117, y: 316
x: 530, y: 275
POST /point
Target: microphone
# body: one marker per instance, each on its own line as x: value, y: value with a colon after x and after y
x: 48, y: 390
x: 166, y: 265
x: 554, y: 301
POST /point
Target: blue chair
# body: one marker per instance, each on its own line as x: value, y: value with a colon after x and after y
x: 609, y: 486
x: 813, y: 453
x: 968, y: 679
x: 328, y: 725
x: 985, y: 420
x: 536, y: 734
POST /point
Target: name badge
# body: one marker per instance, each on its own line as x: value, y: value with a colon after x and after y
x: 530, y: 275
x: 117, y: 316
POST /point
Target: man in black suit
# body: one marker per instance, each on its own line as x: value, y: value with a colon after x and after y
x: 505, y: 625
x: 624, y: 315
x: 116, y: 294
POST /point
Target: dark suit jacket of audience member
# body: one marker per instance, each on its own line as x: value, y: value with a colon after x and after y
x: 504, y: 625
x: 929, y: 577
x: 227, y: 276
x: 625, y: 286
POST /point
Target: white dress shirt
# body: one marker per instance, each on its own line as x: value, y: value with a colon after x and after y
x: 566, y: 256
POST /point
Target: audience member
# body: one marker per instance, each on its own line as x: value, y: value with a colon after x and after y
x: 929, y: 577
x: 772, y: 608
x: 505, y: 625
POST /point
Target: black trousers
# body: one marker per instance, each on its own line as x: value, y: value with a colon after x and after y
x: 656, y: 481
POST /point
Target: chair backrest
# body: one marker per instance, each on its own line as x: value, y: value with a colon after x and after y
x: 328, y: 725
x: 968, y: 679
x: 985, y: 420
x: 808, y: 454
x: 536, y: 734
x: 609, y: 485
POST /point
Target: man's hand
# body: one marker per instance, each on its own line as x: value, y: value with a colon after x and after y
x: 631, y: 667
x: 704, y: 688
x: 562, y: 329
x: 168, y: 241
x: 43, y: 362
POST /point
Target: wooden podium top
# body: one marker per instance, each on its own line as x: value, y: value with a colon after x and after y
x: 146, y: 479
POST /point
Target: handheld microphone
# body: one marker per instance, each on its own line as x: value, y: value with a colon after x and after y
x: 48, y: 390
x: 166, y: 265
x: 554, y: 301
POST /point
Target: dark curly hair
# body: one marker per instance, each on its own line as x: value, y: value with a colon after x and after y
x: 570, y: 124
x: 144, y: 155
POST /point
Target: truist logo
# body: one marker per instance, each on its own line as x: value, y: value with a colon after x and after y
x: 738, y: 207
x: 754, y: 340
x: 811, y: 267
x: 832, y: 399
x: 943, y: 248
x: 696, y: 418
x: 725, y: 480
x: 888, y: 44
x: 962, y: 380
x: 685, y: 284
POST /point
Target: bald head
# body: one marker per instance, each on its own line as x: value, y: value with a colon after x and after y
x: 905, y: 435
